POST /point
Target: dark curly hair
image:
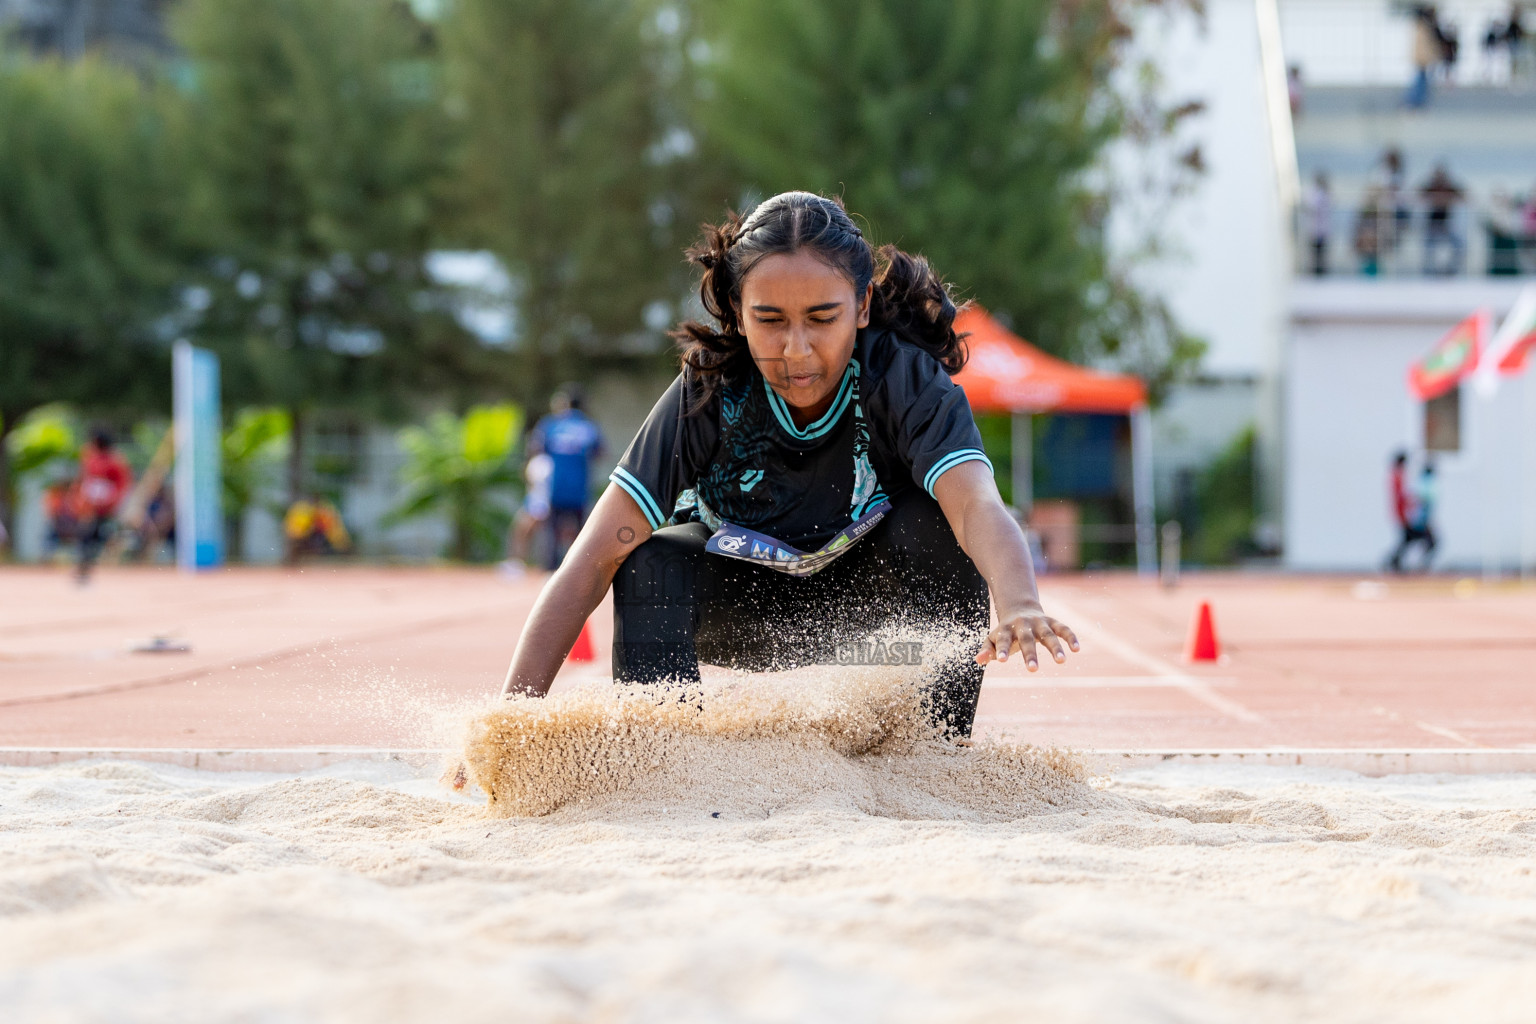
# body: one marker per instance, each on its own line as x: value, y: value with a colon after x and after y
x: 909, y: 298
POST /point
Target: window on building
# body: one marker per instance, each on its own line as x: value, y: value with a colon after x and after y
x: 1442, y: 422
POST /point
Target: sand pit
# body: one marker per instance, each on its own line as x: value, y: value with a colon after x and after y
x: 744, y: 746
x: 853, y: 873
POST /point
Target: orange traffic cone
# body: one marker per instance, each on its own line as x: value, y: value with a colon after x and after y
x: 1202, y: 644
x: 582, y: 649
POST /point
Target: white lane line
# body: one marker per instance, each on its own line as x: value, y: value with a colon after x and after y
x: 1084, y: 682
x: 1450, y: 734
x: 1199, y: 689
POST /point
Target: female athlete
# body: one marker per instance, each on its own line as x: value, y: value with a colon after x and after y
x: 812, y: 474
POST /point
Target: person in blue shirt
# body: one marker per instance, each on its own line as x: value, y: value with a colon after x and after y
x: 572, y: 442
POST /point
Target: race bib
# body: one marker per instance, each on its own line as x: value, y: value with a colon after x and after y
x: 734, y: 541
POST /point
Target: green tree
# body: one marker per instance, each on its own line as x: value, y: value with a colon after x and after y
x: 571, y: 172
x: 968, y: 130
x: 1225, y: 505
x: 253, y: 448
x: 457, y: 466
x: 91, y: 177
x: 48, y: 436
x: 322, y: 149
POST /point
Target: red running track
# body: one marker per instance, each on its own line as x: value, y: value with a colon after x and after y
x: 364, y: 655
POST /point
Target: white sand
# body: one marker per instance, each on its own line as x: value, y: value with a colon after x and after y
x: 878, y: 885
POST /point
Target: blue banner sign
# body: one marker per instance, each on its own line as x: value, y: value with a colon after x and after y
x: 199, y: 506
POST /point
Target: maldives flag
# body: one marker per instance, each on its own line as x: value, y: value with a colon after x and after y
x: 1452, y: 359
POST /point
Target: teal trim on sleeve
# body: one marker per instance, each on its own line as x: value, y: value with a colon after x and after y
x: 952, y: 460
x: 637, y: 490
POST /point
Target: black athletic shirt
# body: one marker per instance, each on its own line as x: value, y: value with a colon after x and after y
x: 741, y: 459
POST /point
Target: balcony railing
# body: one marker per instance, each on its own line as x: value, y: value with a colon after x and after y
x: 1373, y: 234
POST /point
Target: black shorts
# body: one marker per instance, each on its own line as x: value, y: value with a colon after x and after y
x: 676, y: 605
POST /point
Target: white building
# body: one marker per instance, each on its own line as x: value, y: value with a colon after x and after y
x: 1318, y: 363
x: 1226, y: 273
x: 1348, y: 410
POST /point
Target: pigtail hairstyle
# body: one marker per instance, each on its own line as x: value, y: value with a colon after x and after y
x: 715, y: 355
x: 909, y: 299
x: 914, y: 302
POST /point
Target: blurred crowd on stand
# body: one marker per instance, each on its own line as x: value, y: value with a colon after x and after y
x: 1401, y: 229
x: 1508, y: 54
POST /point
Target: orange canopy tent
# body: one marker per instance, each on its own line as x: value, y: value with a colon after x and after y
x: 1005, y: 373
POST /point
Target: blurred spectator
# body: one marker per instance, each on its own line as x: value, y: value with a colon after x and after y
x: 1414, y: 512
x: 1504, y: 45
x: 60, y: 499
x: 1317, y: 208
x: 157, y: 527
x: 1449, y: 38
x: 1506, y: 232
x: 1294, y: 89
x: 531, y: 517
x: 1427, y: 54
x: 1394, y: 184
x: 314, y: 527
x: 572, y: 441
x: 1441, y: 196
x: 104, y: 480
x: 1402, y: 509
x: 1369, y: 221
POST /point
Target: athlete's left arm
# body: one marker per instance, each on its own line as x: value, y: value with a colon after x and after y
x: 989, y: 535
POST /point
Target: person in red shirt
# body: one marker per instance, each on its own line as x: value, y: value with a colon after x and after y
x: 1411, y: 513
x: 1402, y: 502
x: 104, y: 481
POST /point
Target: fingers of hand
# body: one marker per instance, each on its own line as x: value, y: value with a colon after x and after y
x: 1046, y: 636
x: 1024, y: 636
x: 989, y: 649
x: 1064, y: 631
x: 999, y: 643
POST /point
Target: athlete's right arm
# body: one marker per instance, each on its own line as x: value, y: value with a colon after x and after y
x: 615, y: 528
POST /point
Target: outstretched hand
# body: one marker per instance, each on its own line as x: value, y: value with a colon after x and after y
x: 1022, y: 631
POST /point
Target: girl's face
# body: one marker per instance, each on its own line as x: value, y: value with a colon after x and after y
x: 801, y: 318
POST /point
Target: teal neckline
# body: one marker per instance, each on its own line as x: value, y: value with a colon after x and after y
x: 828, y: 419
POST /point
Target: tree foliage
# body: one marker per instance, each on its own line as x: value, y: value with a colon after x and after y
x: 967, y: 130
x: 251, y: 451
x: 321, y: 153
x: 272, y: 192
x: 48, y: 435
x: 457, y: 466
x: 90, y: 181
x: 569, y: 172
x: 1225, y: 511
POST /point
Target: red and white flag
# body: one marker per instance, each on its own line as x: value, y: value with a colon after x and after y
x: 1516, y: 337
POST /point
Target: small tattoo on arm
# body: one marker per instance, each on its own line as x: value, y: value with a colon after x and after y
x: 626, y: 534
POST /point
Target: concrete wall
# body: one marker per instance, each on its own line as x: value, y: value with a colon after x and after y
x: 1224, y: 273
x: 1347, y: 409
x: 1225, y: 265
